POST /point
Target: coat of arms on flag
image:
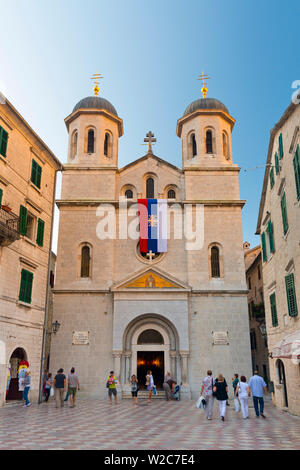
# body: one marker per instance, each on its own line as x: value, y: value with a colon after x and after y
x: 153, y: 224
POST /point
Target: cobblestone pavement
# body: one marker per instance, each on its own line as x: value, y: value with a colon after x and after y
x: 95, y: 424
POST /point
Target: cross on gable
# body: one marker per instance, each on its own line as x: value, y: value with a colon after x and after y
x: 150, y: 140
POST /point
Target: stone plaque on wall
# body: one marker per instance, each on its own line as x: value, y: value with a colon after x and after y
x: 220, y: 337
x: 80, y: 337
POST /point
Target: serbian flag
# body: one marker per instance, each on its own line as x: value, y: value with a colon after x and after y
x: 153, y: 222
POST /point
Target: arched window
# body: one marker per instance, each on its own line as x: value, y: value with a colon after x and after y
x: 74, y: 145
x: 171, y: 194
x: 209, y: 142
x: 150, y: 337
x: 91, y: 141
x: 215, y: 261
x: 194, y: 145
x: 85, y: 261
x: 128, y: 194
x: 107, y: 144
x: 225, y: 145
x: 150, y: 188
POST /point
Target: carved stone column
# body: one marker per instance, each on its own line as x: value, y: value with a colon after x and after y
x: 117, y: 364
x: 173, y: 367
x: 127, y: 372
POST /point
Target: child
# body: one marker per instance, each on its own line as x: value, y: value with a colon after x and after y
x: 134, y: 389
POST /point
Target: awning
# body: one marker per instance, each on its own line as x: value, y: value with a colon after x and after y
x: 288, y: 347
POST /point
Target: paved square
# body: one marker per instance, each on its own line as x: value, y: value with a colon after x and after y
x: 95, y: 424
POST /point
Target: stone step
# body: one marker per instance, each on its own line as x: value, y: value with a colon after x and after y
x: 143, y: 394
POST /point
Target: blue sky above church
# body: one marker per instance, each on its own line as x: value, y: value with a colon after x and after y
x: 151, y: 54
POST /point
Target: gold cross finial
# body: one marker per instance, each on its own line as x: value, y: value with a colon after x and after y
x: 203, y: 77
x: 96, y: 78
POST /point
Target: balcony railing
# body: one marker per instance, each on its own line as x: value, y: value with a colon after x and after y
x: 9, y: 227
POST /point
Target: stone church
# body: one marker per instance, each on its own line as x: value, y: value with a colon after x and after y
x: 183, y: 310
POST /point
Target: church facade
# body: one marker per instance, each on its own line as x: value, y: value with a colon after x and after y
x: 183, y: 310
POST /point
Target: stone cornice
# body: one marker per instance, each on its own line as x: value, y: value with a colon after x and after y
x: 97, y: 202
x: 204, y: 112
x: 233, y: 168
x: 94, y: 111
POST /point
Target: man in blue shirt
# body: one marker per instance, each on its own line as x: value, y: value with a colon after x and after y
x: 258, y: 386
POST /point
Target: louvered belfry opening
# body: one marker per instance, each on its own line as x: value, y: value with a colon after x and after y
x: 215, y: 262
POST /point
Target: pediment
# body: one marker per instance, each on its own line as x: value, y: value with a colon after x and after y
x: 151, y: 279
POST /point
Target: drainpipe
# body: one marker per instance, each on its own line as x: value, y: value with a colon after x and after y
x: 47, y: 297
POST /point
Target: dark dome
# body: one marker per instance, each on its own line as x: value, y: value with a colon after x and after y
x: 95, y: 102
x: 205, y: 103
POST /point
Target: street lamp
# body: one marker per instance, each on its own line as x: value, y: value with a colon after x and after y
x: 263, y: 329
x: 55, y: 326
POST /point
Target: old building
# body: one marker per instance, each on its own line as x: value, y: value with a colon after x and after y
x: 27, y: 191
x: 256, y: 310
x: 183, y: 310
x: 279, y: 227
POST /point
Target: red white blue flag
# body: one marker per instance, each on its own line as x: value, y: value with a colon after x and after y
x: 153, y: 218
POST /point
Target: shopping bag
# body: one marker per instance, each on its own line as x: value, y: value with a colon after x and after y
x: 51, y: 392
x: 154, y: 390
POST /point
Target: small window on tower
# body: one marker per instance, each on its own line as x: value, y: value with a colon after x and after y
x: 91, y: 141
x: 209, y: 142
x: 106, y: 144
x: 194, y: 145
x: 171, y: 194
x: 85, y: 262
x: 215, y: 262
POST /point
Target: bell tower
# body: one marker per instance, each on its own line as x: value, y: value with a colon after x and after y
x: 94, y: 129
x: 205, y: 132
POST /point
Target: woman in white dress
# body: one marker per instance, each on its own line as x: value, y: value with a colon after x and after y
x: 149, y: 384
x: 243, y: 392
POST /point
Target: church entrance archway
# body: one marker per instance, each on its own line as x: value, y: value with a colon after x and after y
x: 12, y: 392
x: 150, y: 343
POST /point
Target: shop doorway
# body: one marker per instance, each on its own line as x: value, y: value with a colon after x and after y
x: 13, y: 392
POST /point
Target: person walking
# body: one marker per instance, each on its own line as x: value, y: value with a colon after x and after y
x: 243, y: 392
x: 59, y: 383
x: 73, y: 385
x: 111, y: 384
x: 134, y: 389
x: 207, y: 392
x: 48, y: 385
x: 221, y: 391
x: 149, y: 384
x: 258, y: 386
x: 27, y: 382
x: 166, y: 386
x: 235, y: 382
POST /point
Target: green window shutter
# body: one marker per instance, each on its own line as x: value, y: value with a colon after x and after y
x: 271, y: 236
x: 26, y: 286
x: 284, y: 214
x: 1, y: 195
x: 36, y: 174
x: 273, y: 310
x: 291, y: 295
x: 23, y: 220
x: 264, y: 248
x: 3, y: 141
x: 272, y: 179
x: 296, y: 163
x: 280, y: 147
x: 276, y: 163
x: 40, y: 232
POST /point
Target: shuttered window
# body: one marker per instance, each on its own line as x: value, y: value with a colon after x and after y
x: 26, y: 286
x: 23, y: 220
x: 36, y: 174
x: 273, y: 310
x: 280, y: 146
x: 291, y: 295
x: 40, y: 232
x: 284, y: 214
x: 264, y: 248
x: 272, y: 179
x: 276, y: 163
x: 3, y: 141
x: 1, y: 195
x: 296, y: 163
x: 271, y: 237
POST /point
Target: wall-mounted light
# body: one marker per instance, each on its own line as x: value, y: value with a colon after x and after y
x: 55, y: 326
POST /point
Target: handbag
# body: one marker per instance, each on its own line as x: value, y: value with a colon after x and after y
x: 51, y: 392
x: 214, y: 394
x: 154, y: 390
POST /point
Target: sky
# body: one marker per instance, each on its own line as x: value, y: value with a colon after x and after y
x: 150, y: 54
